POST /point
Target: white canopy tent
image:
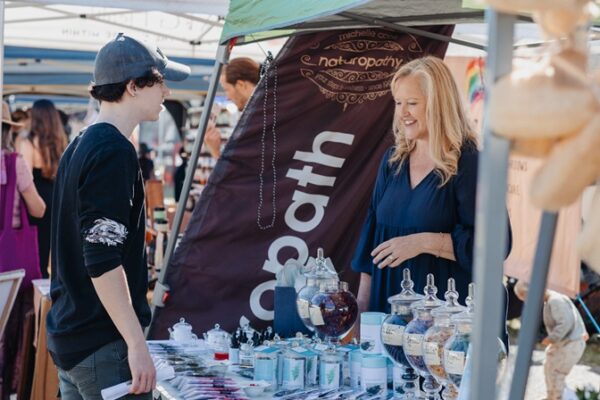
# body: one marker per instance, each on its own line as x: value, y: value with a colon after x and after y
x: 194, y: 31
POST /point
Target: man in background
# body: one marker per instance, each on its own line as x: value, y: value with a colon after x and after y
x: 239, y: 78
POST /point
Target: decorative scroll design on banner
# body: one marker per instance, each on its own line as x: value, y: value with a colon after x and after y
x: 357, y: 46
x: 357, y: 67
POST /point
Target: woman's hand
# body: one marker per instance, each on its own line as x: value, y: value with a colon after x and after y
x: 395, y: 251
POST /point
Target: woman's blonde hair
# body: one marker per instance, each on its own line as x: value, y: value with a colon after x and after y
x: 447, y: 122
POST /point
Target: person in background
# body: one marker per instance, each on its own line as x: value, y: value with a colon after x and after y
x: 42, y: 150
x: 145, y: 160
x: 180, y: 172
x: 23, y: 118
x: 566, y: 338
x: 99, y: 269
x: 422, y: 211
x: 239, y: 79
x: 64, y: 119
x: 11, y: 348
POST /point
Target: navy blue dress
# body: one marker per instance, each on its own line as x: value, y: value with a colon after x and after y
x: 396, y: 209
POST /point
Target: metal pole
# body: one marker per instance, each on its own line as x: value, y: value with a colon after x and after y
x: 530, y: 318
x: 490, y: 221
x: 161, y: 289
x: 406, y: 29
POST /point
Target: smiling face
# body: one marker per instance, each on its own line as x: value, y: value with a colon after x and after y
x: 411, y: 107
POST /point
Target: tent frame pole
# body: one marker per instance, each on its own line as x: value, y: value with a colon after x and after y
x: 530, y: 319
x: 407, y: 29
x: 491, y: 225
x: 161, y: 288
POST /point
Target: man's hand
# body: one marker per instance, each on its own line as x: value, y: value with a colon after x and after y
x: 143, y: 373
x: 546, y: 342
x: 212, y: 140
x: 395, y: 251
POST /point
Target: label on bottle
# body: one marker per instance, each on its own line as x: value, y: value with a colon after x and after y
x: 315, y: 316
x: 264, y: 370
x: 293, y: 373
x: 374, y: 381
x: 355, y: 370
x: 370, y: 339
x: 432, y: 355
x: 413, y: 344
x: 303, y: 306
x: 455, y: 362
x: 329, y: 375
x: 392, y: 334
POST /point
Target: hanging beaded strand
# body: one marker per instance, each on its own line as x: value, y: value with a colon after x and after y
x: 268, y: 68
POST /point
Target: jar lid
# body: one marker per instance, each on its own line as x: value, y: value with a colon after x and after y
x: 468, y: 315
x: 430, y: 301
x: 356, y: 355
x: 451, y: 306
x: 372, y: 318
x: 407, y: 296
x: 374, y: 361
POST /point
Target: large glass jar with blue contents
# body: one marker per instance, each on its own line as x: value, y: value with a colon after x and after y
x: 415, y: 332
x: 392, y: 333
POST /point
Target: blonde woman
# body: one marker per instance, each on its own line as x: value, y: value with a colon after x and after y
x: 422, y: 212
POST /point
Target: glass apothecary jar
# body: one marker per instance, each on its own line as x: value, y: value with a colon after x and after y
x: 392, y: 332
x: 436, y: 337
x: 316, y: 274
x: 333, y: 310
x: 415, y: 332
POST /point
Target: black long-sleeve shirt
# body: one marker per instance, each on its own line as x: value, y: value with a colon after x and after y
x: 98, y: 224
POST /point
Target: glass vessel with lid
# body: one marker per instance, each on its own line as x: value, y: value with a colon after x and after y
x: 333, y: 310
x: 392, y: 333
x: 457, y: 346
x: 414, y: 334
x: 315, y: 275
x: 436, y: 337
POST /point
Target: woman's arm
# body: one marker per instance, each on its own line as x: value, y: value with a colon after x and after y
x: 395, y: 251
x: 35, y: 204
x: 25, y: 148
x: 364, y: 292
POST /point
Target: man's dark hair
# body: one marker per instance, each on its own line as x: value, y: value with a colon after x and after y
x: 242, y: 69
x: 114, y: 91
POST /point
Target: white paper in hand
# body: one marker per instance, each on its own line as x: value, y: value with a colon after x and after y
x: 122, y: 389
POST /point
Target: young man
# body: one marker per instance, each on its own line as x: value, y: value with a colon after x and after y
x: 239, y: 78
x: 566, y: 338
x: 99, y: 271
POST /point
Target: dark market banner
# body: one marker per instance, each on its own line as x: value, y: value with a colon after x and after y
x: 296, y: 175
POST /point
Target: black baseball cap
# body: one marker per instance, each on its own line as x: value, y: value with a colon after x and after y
x: 125, y: 58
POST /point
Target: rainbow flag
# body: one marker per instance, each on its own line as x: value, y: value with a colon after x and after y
x: 475, y: 86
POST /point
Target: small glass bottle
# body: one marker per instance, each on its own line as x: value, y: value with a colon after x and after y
x: 330, y: 369
x: 435, y: 338
x: 293, y: 370
x: 414, y: 333
x: 247, y: 355
x: 265, y: 364
x: 392, y: 334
